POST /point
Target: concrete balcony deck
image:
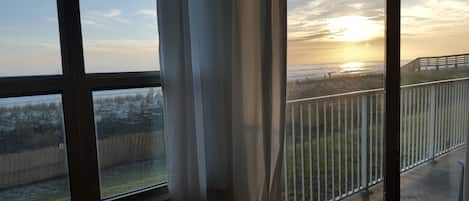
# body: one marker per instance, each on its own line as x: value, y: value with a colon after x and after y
x: 433, y: 181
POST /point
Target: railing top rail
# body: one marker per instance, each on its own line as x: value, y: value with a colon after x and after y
x: 373, y: 90
x: 455, y: 55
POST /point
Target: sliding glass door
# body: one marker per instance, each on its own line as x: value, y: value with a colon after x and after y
x: 334, y: 139
x: 351, y: 124
x: 434, y: 98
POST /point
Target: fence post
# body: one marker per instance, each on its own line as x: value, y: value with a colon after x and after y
x: 364, y: 145
x: 432, y: 122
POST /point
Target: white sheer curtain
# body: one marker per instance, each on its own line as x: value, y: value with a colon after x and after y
x: 224, y: 79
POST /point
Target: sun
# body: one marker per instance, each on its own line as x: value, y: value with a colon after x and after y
x: 353, y: 28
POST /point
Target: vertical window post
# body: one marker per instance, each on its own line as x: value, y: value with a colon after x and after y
x: 77, y: 107
x: 392, y: 101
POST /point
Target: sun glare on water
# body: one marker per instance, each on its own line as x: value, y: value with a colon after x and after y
x: 352, y: 66
x: 353, y: 28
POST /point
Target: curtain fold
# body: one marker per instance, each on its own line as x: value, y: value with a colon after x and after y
x: 224, y: 81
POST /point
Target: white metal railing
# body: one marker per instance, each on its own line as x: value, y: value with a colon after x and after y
x: 436, y: 63
x: 334, y: 144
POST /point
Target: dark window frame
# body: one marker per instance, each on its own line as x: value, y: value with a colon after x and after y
x: 76, y: 87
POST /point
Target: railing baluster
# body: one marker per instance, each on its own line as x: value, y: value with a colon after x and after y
x: 437, y: 118
x: 401, y: 131
x: 415, y: 143
x: 414, y: 126
x: 325, y: 152
x: 352, y: 151
x: 425, y: 123
x: 339, y: 133
x: 407, y: 130
x: 450, y: 117
x: 310, y: 154
x: 443, y: 119
x: 418, y: 124
x: 404, y: 129
x: 448, y: 114
x: 294, y: 152
x: 364, y: 142
x: 333, y: 150
x: 459, y: 116
x: 421, y: 118
x: 376, y: 138
x: 370, y: 118
x: 285, y: 163
x: 346, y: 190
x: 358, y: 148
x: 382, y: 137
x: 302, y: 154
x: 317, y: 153
x: 466, y: 107
x: 431, y: 122
x: 440, y: 120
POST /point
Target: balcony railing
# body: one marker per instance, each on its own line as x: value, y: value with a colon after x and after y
x: 437, y: 63
x: 334, y: 144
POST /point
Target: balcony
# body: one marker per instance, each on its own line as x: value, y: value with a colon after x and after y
x: 334, y: 144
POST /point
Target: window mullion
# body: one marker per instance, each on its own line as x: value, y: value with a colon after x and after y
x: 392, y: 104
x: 77, y: 107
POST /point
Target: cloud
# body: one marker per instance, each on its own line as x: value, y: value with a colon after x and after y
x: 102, y: 17
x: 309, y: 19
x: 88, y: 22
x: 110, y: 13
x: 429, y: 27
x: 147, y: 12
x: 433, y: 16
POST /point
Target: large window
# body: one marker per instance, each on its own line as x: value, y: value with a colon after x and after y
x: 81, y: 104
x: 334, y: 139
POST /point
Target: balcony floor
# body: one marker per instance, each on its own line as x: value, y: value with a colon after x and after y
x: 432, y: 181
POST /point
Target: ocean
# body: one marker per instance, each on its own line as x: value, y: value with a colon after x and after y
x: 320, y: 71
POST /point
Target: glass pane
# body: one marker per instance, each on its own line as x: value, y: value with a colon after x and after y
x: 131, y: 149
x: 120, y: 35
x: 29, y: 38
x: 334, y: 139
x: 33, y: 164
x: 434, y: 121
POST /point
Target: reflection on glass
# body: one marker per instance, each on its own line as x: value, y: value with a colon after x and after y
x: 29, y: 38
x: 129, y: 126
x: 33, y: 163
x: 334, y: 144
x: 120, y: 35
x: 435, y: 47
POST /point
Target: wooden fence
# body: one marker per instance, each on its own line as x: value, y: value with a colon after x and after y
x: 50, y: 162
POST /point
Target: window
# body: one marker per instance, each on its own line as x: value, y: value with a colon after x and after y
x: 129, y: 125
x: 434, y: 97
x: 29, y: 38
x: 33, y: 162
x: 334, y: 138
x: 81, y: 118
x: 119, y: 36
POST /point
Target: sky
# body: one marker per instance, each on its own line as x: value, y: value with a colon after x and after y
x: 118, y: 35
x: 340, y: 31
x: 122, y: 35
